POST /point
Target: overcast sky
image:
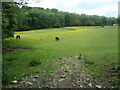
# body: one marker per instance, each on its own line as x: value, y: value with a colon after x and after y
x: 107, y: 8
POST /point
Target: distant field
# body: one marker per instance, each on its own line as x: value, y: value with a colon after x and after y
x: 99, y: 45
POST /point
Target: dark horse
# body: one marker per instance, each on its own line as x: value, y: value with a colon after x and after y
x: 57, y: 38
x: 18, y: 37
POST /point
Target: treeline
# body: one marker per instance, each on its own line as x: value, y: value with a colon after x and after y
x: 36, y: 18
x: 27, y: 18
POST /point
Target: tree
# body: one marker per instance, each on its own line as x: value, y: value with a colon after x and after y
x: 27, y: 18
x: 9, y: 21
x: 112, y: 20
x: 11, y: 15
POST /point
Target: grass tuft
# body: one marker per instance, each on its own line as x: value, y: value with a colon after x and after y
x: 34, y: 63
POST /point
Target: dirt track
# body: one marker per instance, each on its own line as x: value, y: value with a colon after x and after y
x: 69, y: 76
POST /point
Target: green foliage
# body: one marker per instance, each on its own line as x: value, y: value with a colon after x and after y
x: 9, y: 21
x: 49, y: 18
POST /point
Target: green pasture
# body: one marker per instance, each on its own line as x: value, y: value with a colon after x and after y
x: 99, y: 45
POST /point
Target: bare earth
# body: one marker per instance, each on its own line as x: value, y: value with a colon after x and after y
x: 69, y: 76
x: 10, y: 49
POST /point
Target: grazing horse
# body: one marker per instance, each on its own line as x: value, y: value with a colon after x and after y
x: 18, y: 37
x: 57, y: 38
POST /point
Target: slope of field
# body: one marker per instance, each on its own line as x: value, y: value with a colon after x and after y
x: 38, y: 47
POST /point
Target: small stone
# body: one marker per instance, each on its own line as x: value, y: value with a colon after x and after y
x: 73, y: 85
x: 76, y: 57
x: 29, y: 83
x: 51, y: 87
x: 62, y: 76
x: 14, y: 82
x: 79, y: 81
x: 34, y: 80
x: 81, y: 85
x: 67, y: 67
x: 54, y: 84
x: 61, y: 79
x: 62, y: 68
x: 98, y: 86
x: 39, y: 86
x: 22, y: 78
x: 88, y: 79
x: 90, y: 84
x: 36, y: 76
x: 63, y: 62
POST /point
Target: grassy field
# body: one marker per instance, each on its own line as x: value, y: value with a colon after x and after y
x: 99, y: 45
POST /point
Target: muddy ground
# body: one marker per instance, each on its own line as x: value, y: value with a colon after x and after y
x: 10, y: 49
